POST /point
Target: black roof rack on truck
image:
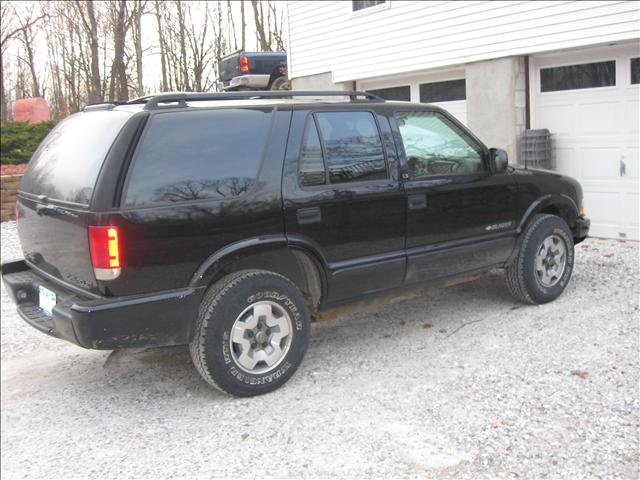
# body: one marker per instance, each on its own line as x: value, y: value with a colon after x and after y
x: 180, y: 99
x: 111, y: 105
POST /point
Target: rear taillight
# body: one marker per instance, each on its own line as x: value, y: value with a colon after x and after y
x: 244, y: 63
x: 104, y: 243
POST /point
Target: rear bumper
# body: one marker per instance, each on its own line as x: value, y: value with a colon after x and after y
x: 105, y: 323
x: 581, y: 230
x: 248, y: 81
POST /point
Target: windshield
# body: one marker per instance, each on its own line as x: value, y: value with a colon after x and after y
x: 66, y: 164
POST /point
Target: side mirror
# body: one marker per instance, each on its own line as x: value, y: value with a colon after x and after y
x: 499, y: 159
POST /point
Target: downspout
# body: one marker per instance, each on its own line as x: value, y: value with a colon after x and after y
x: 527, y: 101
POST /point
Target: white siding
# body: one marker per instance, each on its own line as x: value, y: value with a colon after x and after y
x: 407, y: 36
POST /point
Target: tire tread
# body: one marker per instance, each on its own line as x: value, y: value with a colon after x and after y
x: 514, y: 272
x: 212, y: 297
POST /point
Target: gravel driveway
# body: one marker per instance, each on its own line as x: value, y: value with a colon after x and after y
x: 458, y: 382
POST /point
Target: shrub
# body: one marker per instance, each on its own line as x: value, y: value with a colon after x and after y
x: 18, y: 140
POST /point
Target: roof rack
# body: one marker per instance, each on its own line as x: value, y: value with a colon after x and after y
x: 101, y: 106
x: 116, y: 103
x: 177, y: 100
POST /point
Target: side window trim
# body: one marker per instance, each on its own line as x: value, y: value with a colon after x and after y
x: 323, y: 152
x: 460, y: 129
x: 310, y: 122
x: 133, y: 157
x: 327, y: 182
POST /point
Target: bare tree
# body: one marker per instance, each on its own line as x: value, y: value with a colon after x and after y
x: 27, y: 39
x: 87, y: 51
x: 69, y: 65
x: 21, y: 85
x: 269, y: 25
x: 262, y: 32
x: 87, y: 14
x: 10, y: 28
x: 136, y: 30
x: 200, y: 50
x: 231, y: 26
x: 243, y: 27
x: 163, y: 60
x: 220, y: 45
x: 57, y: 101
x: 276, y: 27
x: 183, y: 45
x: 120, y: 22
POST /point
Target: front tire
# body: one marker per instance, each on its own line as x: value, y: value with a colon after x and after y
x: 251, y: 334
x: 541, y: 270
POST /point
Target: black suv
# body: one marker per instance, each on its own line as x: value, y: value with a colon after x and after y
x: 227, y: 221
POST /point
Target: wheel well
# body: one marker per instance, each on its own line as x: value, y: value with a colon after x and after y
x: 560, y: 211
x: 298, y: 266
x: 279, y: 71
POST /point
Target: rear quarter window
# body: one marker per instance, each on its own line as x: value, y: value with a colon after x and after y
x: 197, y: 155
x: 66, y: 164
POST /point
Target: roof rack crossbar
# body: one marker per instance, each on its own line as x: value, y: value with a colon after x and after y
x: 181, y: 99
x: 101, y: 106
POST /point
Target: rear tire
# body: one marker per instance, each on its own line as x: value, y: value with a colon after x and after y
x: 280, y: 83
x: 278, y: 79
x: 251, y: 334
x: 542, y: 267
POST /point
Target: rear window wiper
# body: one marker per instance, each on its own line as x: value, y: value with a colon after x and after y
x: 54, y: 210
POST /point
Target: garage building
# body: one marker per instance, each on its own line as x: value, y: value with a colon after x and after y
x: 571, y: 67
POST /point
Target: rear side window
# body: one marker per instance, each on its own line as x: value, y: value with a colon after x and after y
x: 196, y: 155
x: 350, y: 146
x: 66, y: 164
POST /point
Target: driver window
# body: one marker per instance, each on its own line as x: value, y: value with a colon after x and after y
x: 434, y: 146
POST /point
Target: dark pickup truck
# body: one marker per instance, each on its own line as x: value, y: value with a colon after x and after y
x: 226, y: 221
x: 253, y: 70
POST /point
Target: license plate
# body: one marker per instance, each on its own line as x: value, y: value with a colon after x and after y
x: 47, y: 300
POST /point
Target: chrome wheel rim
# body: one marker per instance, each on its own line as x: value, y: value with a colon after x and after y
x: 551, y: 261
x: 261, y: 337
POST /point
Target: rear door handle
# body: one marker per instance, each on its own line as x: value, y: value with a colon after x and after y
x: 417, y: 201
x: 309, y: 215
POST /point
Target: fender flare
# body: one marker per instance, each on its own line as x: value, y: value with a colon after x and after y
x: 262, y: 244
x: 560, y: 201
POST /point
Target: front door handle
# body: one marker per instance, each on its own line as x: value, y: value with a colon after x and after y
x: 623, y: 167
x: 309, y: 215
x: 417, y: 201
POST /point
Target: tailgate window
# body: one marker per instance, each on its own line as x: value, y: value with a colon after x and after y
x: 66, y: 164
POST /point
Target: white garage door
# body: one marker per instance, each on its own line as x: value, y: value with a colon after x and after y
x: 446, y: 89
x: 589, y: 101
